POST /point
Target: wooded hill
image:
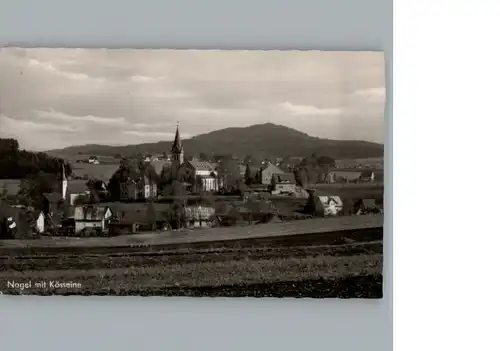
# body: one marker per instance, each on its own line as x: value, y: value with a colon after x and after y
x: 261, y: 140
x: 19, y: 164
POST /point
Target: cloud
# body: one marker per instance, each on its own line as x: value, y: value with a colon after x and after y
x: 309, y: 110
x: 146, y: 134
x: 81, y: 119
x: 372, y: 94
x: 10, y: 125
x: 143, y: 79
x: 49, y: 67
x: 96, y: 95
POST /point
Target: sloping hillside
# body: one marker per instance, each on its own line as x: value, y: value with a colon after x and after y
x: 263, y: 140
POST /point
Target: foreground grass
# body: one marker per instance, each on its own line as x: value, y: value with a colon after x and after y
x: 136, y: 280
x: 148, y: 259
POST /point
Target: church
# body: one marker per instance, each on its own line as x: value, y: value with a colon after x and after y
x: 199, y: 174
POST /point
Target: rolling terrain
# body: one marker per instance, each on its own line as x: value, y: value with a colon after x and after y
x: 262, y: 140
x: 334, y: 260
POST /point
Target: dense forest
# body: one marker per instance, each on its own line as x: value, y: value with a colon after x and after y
x: 19, y: 164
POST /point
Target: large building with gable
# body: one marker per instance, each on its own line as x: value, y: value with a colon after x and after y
x: 202, y: 175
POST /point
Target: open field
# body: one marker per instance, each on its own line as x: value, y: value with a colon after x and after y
x: 344, y: 265
x: 209, y: 235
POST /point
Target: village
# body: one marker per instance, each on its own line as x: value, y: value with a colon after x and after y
x: 167, y: 192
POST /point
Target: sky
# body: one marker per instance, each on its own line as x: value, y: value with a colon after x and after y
x: 54, y: 98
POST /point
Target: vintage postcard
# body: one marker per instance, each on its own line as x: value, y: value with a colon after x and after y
x: 191, y: 173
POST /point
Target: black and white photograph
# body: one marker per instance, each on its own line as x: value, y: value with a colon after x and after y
x: 202, y: 173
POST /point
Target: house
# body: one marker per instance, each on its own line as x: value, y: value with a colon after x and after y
x: 134, y: 217
x: 266, y: 173
x: 20, y: 221
x: 366, y: 206
x: 332, y: 204
x: 9, y: 188
x: 202, y: 174
x: 76, y: 188
x: 199, y: 216
x: 93, y: 160
x: 338, y: 176
x: 367, y: 176
x: 140, y: 184
x: 283, y: 183
x: 91, y: 216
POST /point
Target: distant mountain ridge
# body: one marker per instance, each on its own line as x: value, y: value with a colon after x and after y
x: 262, y: 140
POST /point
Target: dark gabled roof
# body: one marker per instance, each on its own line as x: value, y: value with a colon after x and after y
x: 77, y: 186
x: 53, y: 197
x: 11, y: 185
x: 158, y: 165
x: 177, y: 145
x: 284, y: 177
x: 369, y: 203
x: 201, y: 165
x: 93, y: 212
x: 139, y: 212
x: 366, y: 174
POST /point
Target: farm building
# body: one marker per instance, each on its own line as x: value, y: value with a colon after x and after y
x: 139, y: 184
x: 365, y: 206
x: 367, y: 176
x: 283, y: 183
x: 76, y: 188
x: 332, y: 204
x: 20, y: 222
x: 91, y: 216
x: 134, y: 217
x: 266, y: 174
x: 9, y: 188
x: 342, y: 176
x: 199, y: 216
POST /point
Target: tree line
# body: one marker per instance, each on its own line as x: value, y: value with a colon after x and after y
x: 19, y: 164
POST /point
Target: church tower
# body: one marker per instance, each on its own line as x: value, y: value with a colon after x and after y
x: 177, y: 153
x: 64, y: 183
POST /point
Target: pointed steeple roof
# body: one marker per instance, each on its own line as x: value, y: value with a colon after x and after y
x: 177, y: 145
x: 63, y: 173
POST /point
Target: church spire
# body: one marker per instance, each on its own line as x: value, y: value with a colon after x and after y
x: 63, y: 173
x: 177, y: 145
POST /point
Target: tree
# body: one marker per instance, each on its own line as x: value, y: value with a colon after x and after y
x: 3, y: 192
x: 198, y: 183
x: 17, y: 164
x: 301, y: 177
x: 248, y: 175
x: 203, y: 156
x: 312, y: 175
x: 250, y: 159
x: 178, y: 213
x: 326, y: 161
x: 32, y: 189
x: 151, y: 215
x: 240, y: 186
x: 314, y: 206
x: 229, y: 172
